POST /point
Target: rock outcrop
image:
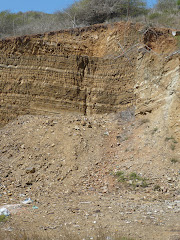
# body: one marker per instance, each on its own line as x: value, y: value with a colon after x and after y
x: 98, y: 69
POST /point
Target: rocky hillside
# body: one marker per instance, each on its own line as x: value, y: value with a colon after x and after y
x: 90, y: 132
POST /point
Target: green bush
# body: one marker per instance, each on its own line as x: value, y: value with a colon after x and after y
x: 132, y: 179
x: 178, y: 41
x: 120, y: 176
x: 3, y: 218
x: 174, y: 160
x: 166, y: 5
x: 154, y: 15
x: 90, y: 12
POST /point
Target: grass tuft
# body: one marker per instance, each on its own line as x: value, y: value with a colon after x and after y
x: 3, y: 218
x: 120, y: 176
x: 173, y: 147
x: 157, y: 188
x: 133, y: 179
x: 174, y: 160
x: 171, y: 138
x: 154, y: 130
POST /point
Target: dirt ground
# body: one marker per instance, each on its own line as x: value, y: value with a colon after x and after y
x: 113, y: 172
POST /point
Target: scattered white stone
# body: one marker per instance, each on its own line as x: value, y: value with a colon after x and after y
x: 4, y: 211
x: 27, y: 201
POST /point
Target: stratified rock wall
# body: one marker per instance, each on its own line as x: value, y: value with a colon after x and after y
x: 40, y: 75
x: 90, y: 70
x: 36, y: 84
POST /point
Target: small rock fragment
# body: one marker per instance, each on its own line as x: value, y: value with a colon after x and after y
x: 30, y: 170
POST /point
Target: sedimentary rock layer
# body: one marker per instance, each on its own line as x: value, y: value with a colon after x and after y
x: 91, y: 70
x: 36, y: 84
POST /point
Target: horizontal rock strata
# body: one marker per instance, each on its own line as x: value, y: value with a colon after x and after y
x: 90, y: 70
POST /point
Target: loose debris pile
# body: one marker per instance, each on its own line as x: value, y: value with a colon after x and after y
x: 84, y: 172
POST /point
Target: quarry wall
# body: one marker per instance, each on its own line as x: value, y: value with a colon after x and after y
x: 67, y: 70
x: 45, y: 83
x: 99, y: 69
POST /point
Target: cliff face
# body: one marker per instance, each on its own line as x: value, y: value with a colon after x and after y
x: 92, y: 70
x: 45, y: 83
x: 157, y: 90
x: 70, y: 70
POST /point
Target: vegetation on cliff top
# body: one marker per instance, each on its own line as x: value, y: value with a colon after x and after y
x: 87, y: 12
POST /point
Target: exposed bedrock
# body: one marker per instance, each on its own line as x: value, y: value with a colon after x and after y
x: 100, y: 69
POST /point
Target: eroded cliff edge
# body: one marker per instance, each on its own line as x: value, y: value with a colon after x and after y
x: 98, y: 69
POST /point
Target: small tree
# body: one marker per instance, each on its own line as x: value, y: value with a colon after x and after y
x: 166, y: 5
x: 92, y: 11
x: 178, y: 4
